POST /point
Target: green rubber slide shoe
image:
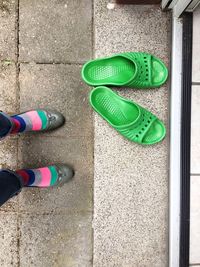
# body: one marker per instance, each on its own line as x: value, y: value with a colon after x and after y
x: 128, y: 118
x: 131, y: 69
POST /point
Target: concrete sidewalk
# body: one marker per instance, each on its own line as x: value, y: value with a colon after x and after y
x: 43, y: 45
x: 49, y: 227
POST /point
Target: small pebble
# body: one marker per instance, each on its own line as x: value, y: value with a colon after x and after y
x: 110, y: 6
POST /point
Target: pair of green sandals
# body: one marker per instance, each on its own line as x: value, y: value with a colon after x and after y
x: 135, y: 70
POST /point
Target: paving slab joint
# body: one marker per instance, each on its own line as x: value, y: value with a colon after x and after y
x: 18, y: 109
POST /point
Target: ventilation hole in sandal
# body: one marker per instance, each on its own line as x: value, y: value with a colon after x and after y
x: 137, y: 136
x: 145, y: 57
x: 150, y: 118
x: 146, y: 79
x: 140, y: 132
x: 142, y: 129
x: 145, y: 125
x: 148, y: 121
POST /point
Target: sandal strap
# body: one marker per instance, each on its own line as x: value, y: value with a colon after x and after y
x: 138, y: 129
x: 142, y: 78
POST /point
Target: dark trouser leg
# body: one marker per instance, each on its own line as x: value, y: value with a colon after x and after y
x: 5, y: 124
x: 10, y: 185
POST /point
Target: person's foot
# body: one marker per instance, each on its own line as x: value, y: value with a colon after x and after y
x: 47, y: 176
x: 36, y: 120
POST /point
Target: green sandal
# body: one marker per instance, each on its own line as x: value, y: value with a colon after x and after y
x: 131, y: 69
x: 129, y: 119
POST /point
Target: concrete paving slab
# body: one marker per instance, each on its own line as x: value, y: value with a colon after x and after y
x: 8, y: 240
x: 196, y: 41
x: 76, y: 195
x: 8, y: 42
x: 55, y: 31
x: 12, y: 205
x: 195, y: 130
x: 56, y: 240
x: 8, y: 98
x: 58, y: 87
x: 55, y: 224
x: 8, y: 153
x: 131, y: 181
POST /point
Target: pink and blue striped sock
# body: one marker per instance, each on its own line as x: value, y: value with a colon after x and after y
x: 41, y: 177
x: 34, y: 120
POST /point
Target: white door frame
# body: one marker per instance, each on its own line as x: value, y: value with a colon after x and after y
x: 175, y: 139
x: 177, y: 7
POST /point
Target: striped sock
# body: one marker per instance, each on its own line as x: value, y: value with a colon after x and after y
x: 34, y: 120
x: 42, y: 177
